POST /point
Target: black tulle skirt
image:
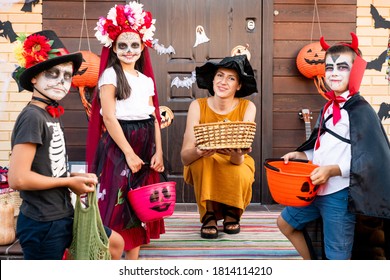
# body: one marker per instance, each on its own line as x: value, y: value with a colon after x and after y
x: 115, y: 181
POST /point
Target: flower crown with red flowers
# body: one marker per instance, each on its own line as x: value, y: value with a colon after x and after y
x: 122, y: 18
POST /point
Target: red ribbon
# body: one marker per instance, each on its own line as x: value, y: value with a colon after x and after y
x: 335, y: 100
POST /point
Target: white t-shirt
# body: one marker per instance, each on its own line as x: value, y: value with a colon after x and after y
x: 334, y: 151
x: 136, y: 107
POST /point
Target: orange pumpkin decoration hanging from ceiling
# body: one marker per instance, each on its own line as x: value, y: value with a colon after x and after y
x: 311, y: 63
x: 87, y: 77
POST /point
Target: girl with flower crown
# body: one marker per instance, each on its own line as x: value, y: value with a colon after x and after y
x: 129, y: 150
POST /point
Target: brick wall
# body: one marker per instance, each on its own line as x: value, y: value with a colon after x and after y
x: 12, y: 101
x: 373, y: 41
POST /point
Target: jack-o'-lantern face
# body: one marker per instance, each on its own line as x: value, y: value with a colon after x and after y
x: 167, y: 116
x: 311, y: 60
x: 240, y: 50
x: 309, y: 192
x: 157, y: 199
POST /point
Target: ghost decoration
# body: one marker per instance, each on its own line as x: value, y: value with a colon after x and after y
x: 186, y: 82
x: 201, y: 36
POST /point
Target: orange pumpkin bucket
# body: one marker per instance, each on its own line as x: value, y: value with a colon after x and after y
x: 290, y: 183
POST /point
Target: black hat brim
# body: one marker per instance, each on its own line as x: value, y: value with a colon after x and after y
x: 205, y: 74
x: 31, y: 72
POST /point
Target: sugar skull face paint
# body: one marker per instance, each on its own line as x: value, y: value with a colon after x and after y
x: 128, y: 47
x: 54, y: 82
x: 337, y: 72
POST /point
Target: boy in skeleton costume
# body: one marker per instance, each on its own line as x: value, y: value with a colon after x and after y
x: 38, y: 165
x: 353, y: 153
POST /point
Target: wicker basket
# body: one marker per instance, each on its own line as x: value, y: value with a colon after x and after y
x: 223, y: 135
x: 12, y: 197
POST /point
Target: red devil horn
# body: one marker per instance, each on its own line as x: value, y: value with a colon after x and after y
x: 355, y: 42
x: 324, y: 45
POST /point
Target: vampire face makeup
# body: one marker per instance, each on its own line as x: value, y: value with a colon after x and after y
x: 128, y: 47
x: 337, y: 71
x: 54, y: 82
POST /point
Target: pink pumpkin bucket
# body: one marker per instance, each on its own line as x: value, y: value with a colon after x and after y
x: 290, y: 183
x: 153, y: 202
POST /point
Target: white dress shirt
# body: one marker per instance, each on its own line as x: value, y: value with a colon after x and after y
x: 334, y: 151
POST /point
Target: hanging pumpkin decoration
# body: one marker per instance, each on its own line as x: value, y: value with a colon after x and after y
x: 311, y: 63
x: 87, y: 78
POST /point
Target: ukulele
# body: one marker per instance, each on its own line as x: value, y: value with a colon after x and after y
x: 306, y: 115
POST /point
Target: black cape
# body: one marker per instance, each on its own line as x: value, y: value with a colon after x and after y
x: 369, y: 191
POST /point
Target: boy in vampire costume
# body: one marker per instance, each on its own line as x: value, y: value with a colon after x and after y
x: 360, y: 169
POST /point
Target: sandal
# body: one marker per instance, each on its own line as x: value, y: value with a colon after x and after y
x: 208, y: 217
x: 229, y: 213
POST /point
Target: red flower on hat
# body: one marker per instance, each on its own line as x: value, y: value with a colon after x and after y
x: 36, y: 49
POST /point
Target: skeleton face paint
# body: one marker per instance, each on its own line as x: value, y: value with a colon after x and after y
x: 54, y: 82
x: 337, y: 71
x: 128, y: 47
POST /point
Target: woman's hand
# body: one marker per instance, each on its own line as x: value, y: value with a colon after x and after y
x: 157, y: 162
x: 235, y: 152
x: 236, y: 155
x: 205, y: 153
x: 134, y: 162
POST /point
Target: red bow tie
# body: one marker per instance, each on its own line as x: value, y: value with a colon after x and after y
x: 55, y: 111
x: 335, y: 100
x: 53, y: 108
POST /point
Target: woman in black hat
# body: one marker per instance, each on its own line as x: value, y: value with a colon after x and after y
x: 38, y: 165
x: 222, y: 179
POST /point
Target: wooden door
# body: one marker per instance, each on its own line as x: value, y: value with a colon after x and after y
x: 225, y: 24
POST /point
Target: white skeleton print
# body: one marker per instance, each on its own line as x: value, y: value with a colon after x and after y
x: 57, y: 150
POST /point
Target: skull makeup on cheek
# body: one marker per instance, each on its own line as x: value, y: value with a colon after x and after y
x: 128, y: 47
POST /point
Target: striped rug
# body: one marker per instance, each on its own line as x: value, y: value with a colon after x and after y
x: 259, y: 239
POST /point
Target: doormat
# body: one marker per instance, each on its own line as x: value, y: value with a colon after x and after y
x: 259, y: 239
